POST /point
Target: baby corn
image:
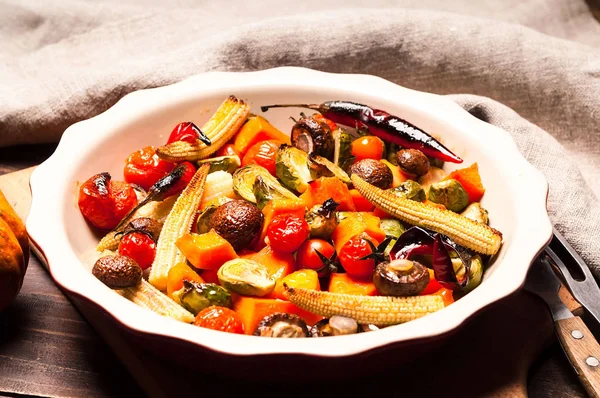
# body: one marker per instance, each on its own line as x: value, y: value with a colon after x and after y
x: 147, y: 296
x: 464, y: 231
x: 228, y: 119
x: 178, y: 222
x: 376, y: 310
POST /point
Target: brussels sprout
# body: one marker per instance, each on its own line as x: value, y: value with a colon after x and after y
x: 195, y: 296
x: 392, y: 150
x: 475, y: 272
x: 411, y: 190
x: 245, y: 177
x: 291, y: 165
x: 475, y: 212
x: 450, y: 194
x: 203, y: 222
x: 433, y: 175
x: 222, y: 163
x: 264, y: 192
x: 322, y: 219
x: 392, y: 227
x: 247, y: 277
x: 322, y: 167
x: 435, y: 162
x: 342, y: 154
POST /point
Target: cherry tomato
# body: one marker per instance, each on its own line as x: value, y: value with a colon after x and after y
x: 287, y: 232
x: 351, y: 253
x: 368, y: 147
x: 263, y: 154
x: 186, y: 131
x: 220, y: 318
x: 104, y: 202
x: 138, y: 246
x: 144, y: 167
x: 183, y: 182
x: 227, y: 150
x: 307, y: 256
x: 320, y: 118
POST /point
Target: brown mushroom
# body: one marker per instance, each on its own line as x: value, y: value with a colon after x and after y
x: 281, y: 324
x: 117, y: 272
x: 313, y: 136
x: 400, y: 278
x: 413, y: 161
x: 374, y: 172
x: 146, y: 225
x: 238, y: 221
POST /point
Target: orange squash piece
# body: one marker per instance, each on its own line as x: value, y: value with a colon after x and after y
x: 210, y: 276
x: 344, y: 283
x: 278, y: 264
x: 325, y: 188
x: 304, y: 278
x: 252, y: 310
x: 257, y: 129
x: 398, y: 176
x: 470, y: 179
x: 205, y: 251
x: 355, y: 224
x: 178, y: 274
x: 360, y: 203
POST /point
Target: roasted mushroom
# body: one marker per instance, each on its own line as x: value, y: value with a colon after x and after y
x: 449, y: 193
x: 117, y: 272
x: 195, y: 296
x: 400, y: 278
x: 146, y: 225
x: 374, y: 172
x: 282, y: 325
x: 313, y: 136
x: 238, y: 221
x: 335, y: 326
x: 413, y: 161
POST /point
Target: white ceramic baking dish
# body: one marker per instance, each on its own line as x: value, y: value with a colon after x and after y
x: 515, y: 197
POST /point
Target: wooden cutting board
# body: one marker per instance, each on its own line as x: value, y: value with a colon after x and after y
x: 489, y: 356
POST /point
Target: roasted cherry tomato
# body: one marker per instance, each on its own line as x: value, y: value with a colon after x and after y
x: 183, y: 182
x: 287, y: 232
x: 368, y: 147
x: 320, y: 118
x: 351, y: 253
x: 144, y: 167
x: 104, y: 202
x: 220, y: 318
x: 227, y: 150
x: 307, y: 256
x: 186, y: 131
x: 138, y: 246
x: 263, y: 154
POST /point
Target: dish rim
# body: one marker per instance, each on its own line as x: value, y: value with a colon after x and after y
x: 58, y: 255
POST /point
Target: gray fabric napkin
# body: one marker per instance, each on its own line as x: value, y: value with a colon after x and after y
x: 64, y: 61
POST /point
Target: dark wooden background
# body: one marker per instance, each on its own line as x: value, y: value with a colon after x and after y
x: 48, y: 349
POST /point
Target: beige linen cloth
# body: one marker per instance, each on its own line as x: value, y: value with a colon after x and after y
x: 63, y: 61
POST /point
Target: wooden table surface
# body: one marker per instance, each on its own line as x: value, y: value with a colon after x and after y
x: 48, y: 349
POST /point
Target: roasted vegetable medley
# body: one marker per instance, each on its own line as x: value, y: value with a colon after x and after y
x: 347, y: 224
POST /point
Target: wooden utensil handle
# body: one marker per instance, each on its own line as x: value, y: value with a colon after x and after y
x: 583, y: 352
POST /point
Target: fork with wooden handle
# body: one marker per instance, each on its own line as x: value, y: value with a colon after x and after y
x: 578, y: 342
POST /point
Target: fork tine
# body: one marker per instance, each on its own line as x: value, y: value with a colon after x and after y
x: 560, y: 265
x: 561, y: 242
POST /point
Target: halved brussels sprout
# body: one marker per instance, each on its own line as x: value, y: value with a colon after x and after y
x: 247, y: 277
x: 411, y: 190
x: 203, y: 222
x: 393, y: 228
x: 222, y: 163
x: 322, y: 167
x: 195, y: 297
x: 475, y: 212
x: 245, y: 177
x: 322, y: 219
x: 291, y: 165
x: 264, y: 191
x: 450, y: 194
x: 475, y: 272
x: 342, y: 154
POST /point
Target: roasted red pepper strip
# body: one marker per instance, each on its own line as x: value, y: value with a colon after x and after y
x: 381, y: 124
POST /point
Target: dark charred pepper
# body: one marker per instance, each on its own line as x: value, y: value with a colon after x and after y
x: 381, y: 124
